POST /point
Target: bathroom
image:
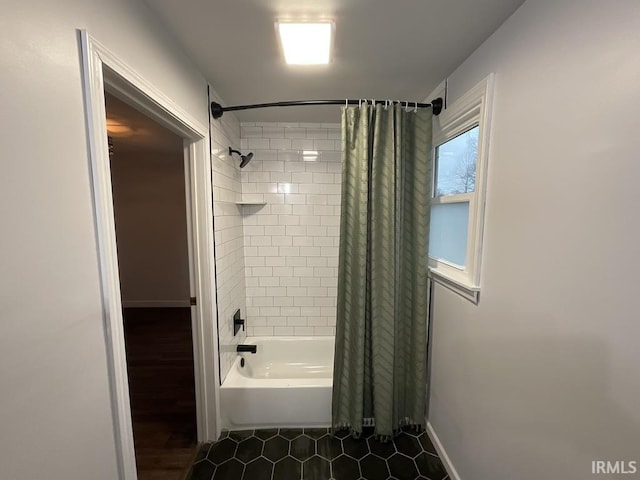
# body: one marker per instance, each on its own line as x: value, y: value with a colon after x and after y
x: 277, y: 236
x: 533, y: 367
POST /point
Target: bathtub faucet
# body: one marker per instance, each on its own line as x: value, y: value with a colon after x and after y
x: 247, y: 348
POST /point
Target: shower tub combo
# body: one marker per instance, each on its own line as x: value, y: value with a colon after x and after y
x: 287, y: 383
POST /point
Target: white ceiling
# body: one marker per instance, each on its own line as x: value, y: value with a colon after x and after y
x: 384, y: 49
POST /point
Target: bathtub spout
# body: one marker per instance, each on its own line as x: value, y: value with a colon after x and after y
x: 247, y: 348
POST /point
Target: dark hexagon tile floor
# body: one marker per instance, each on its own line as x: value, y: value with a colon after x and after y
x: 313, y: 454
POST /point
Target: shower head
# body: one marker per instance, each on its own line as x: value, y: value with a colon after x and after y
x: 244, y: 159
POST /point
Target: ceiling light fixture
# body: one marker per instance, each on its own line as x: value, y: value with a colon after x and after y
x: 306, y: 43
x: 116, y: 128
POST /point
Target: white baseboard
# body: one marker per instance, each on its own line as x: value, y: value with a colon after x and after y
x: 155, y: 303
x: 442, y: 453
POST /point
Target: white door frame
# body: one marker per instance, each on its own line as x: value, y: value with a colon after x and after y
x: 103, y: 70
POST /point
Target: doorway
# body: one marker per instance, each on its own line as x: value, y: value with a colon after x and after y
x: 105, y: 72
x: 150, y: 208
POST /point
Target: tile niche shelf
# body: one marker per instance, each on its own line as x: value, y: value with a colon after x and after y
x: 243, y: 203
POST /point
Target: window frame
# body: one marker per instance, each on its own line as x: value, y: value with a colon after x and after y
x: 471, y: 110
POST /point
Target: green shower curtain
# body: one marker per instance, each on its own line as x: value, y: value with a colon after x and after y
x: 380, y: 355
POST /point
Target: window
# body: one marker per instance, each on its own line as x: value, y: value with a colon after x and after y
x: 460, y: 138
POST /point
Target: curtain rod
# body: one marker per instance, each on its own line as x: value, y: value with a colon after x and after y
x: 218, y: 110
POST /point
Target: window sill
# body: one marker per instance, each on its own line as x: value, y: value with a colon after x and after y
x: 470, y: 292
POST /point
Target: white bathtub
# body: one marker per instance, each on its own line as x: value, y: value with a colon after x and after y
x: 287, y: 383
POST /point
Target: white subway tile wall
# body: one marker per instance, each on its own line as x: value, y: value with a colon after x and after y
x: 291, y: 242
x: 229, y: 235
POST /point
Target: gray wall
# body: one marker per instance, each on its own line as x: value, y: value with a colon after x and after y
x: 55, y: 409
x: 151, y: 228
x: 541, y: 377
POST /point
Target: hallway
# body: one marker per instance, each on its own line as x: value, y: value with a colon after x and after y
x: 161, y: 383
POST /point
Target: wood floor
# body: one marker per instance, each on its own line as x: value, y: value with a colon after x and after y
x: 161, y: 385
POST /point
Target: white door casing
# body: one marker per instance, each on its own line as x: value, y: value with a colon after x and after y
x: 103, y: 70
